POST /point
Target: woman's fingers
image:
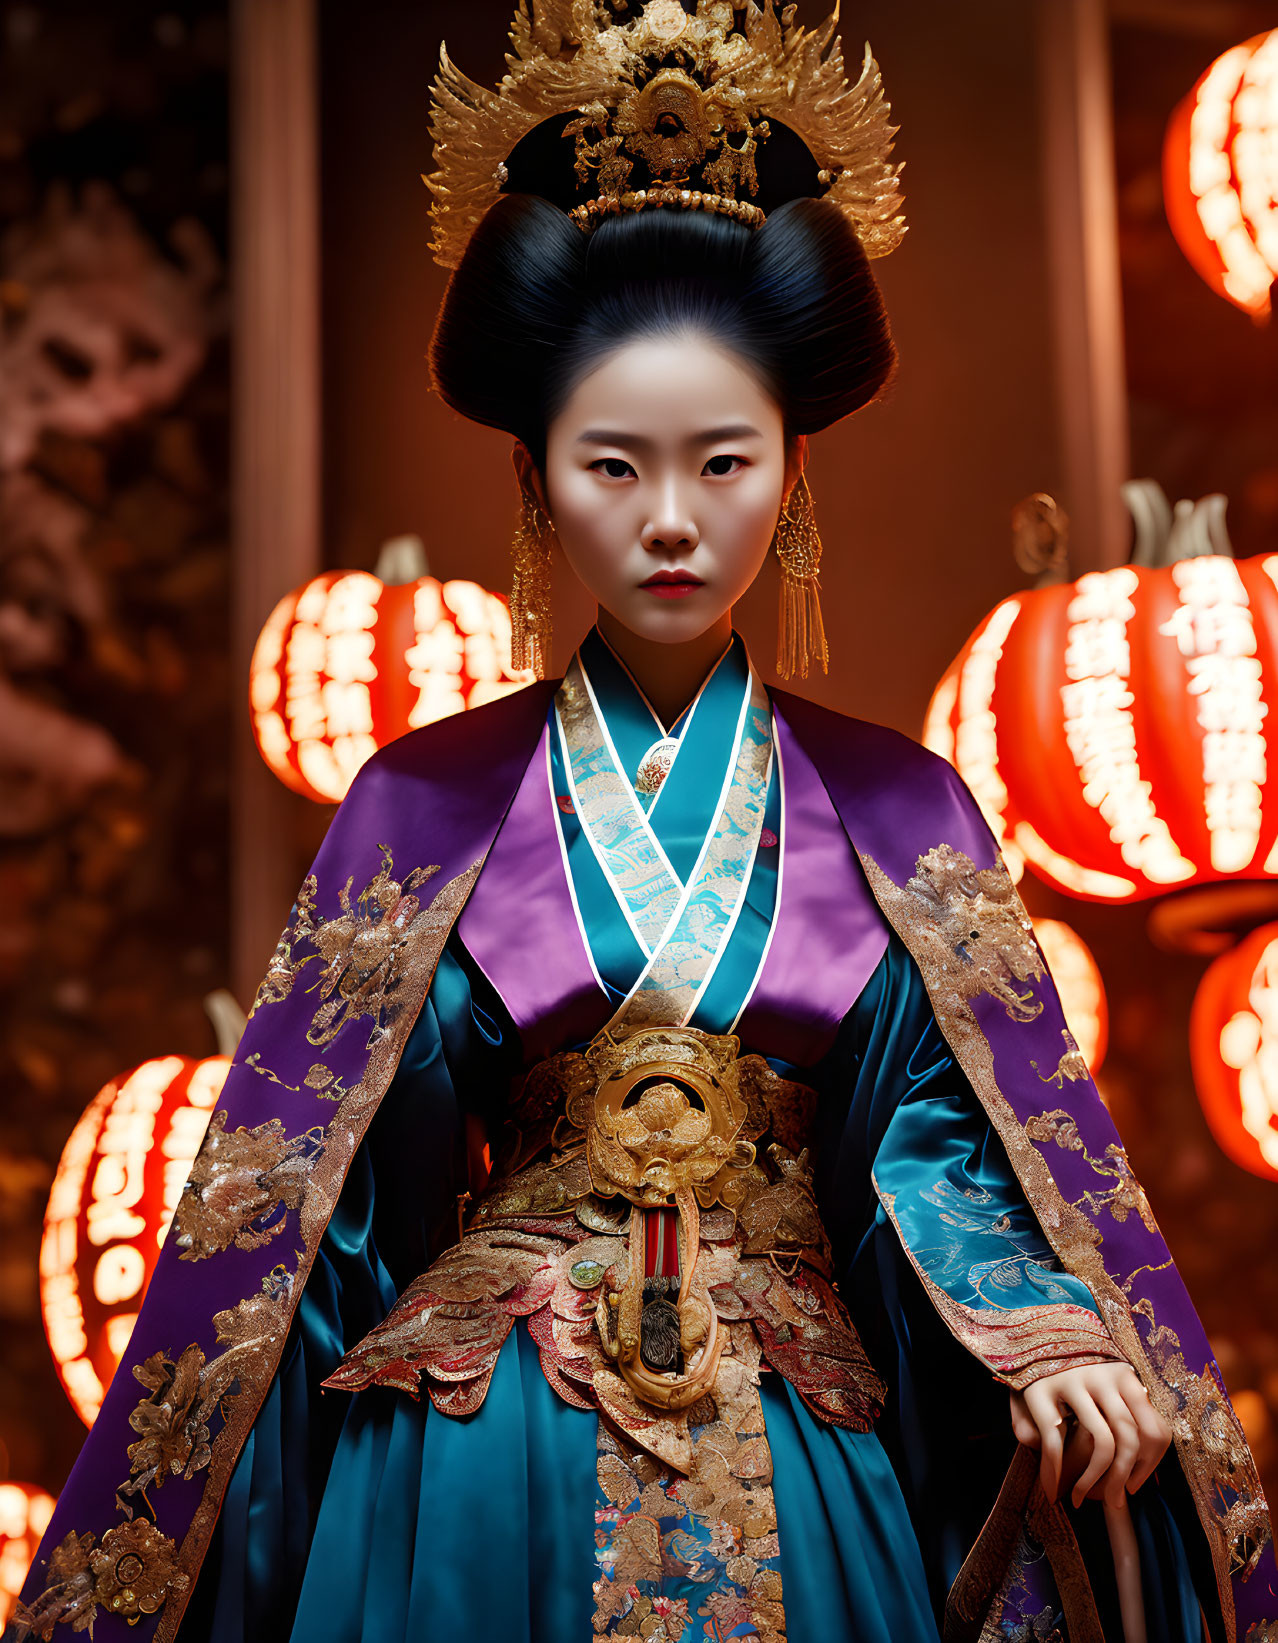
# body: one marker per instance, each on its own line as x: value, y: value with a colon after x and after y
x: 1103, y: 1442
x: 1023, y: 1426
x: 1155, y: 1434
x: 1118, y: 1441
x: 1127, y: 1442
x: 1044, y: 1411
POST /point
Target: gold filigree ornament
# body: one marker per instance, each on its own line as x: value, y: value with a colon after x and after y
x: 665, y: 106
x: 131, y: 1573
x: 664, y: 1126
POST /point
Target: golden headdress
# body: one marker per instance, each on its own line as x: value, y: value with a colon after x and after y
x: 664, y: 106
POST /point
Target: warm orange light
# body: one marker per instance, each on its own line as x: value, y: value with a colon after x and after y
x: 1078, y: 980
x: 1115, y: 729
x: 113, y: 1197
x: 1220, y: 174
x: 1233, y: 1040
x: 24, y: 1515
x: 350, y: 662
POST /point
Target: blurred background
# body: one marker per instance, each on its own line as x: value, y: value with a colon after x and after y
x: 216, y: 295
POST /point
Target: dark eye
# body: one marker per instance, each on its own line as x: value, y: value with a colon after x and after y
x: 612, y: 467
x: 719, y: 467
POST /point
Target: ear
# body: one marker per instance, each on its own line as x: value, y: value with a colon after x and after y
x: 796, y: 460
x: 528, y: 475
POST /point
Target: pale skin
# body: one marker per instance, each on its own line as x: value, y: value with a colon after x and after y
x: 671, y: 455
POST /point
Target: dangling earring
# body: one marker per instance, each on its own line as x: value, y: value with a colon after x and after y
x: 530, y: 626
x: 800, y: 630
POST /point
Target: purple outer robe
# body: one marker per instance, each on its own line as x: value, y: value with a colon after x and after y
x: 332, y: 1017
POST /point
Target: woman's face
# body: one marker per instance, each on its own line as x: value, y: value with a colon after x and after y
x: 665, y: 475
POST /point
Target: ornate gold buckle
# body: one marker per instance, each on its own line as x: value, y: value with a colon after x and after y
x: 663, y: 1129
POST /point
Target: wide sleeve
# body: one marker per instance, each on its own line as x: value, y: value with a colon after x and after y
x: 398, y: 1200
x: 944, y: 1182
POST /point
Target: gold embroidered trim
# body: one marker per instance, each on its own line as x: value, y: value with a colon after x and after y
x: 929, y: 912
x: 992, y: 1577
x: 370, y: 963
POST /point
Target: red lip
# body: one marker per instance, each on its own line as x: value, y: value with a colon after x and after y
x: 672, y: 584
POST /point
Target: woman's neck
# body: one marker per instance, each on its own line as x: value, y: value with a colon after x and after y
x: 668, y: 675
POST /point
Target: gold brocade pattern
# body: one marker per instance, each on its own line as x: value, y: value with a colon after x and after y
x: 969, y: 934
x: 989, y: 1601
x: 172, y: 1421
x: 385, y: 977
x: 660, y: 1516
x: 364, y: 952
x: 378, y: 957
x: 241, y: 1185
x: 643, y: 1125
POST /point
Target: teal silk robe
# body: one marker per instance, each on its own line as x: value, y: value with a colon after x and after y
x: 375, y: 1519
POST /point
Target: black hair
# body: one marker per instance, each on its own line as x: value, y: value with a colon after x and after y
x: 536, y: 303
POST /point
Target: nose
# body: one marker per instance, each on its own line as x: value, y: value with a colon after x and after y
x: 670, y: 528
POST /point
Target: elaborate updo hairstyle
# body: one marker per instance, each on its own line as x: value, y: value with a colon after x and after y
x: 536, y: 304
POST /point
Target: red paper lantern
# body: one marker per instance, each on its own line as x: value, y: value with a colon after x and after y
x: 113, y: 1196
x: 1220, y: 174
x: 1115, y: 729
x: 1233, y: 1040
x: 24, y: 1516
x: 353, y: 660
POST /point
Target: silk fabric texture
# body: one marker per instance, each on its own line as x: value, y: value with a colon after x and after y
x: 374, y: 1518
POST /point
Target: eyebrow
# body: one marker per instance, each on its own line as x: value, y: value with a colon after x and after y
x: 710, y: 436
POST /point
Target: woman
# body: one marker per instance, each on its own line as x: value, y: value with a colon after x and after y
x: 715, y: 1123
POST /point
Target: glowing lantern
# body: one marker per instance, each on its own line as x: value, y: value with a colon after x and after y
x: 1114, y: 728
x: 117, y: 1185
x: 1082, y: 991
x: 1220, y: 174
x: 24, y: 1516
x: 352, y: 661
x: 1233, y: 1040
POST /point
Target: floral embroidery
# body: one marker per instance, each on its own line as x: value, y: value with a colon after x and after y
x: 172, y: 1425
x: 362, y: 952
x: 975, y: 935
x: 241, y: 1186
x: 679, y: 1547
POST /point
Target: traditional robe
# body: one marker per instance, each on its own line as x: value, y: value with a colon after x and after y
x: 985, y: 1225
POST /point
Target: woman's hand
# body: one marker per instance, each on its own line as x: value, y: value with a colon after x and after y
x: 1096, y: 1427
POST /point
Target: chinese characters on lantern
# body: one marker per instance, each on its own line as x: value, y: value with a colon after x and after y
x: 1100, y: 728
x: 350, y: 662
x: 1115, y: 732
x: 1220, y: 174
x: 112, y: 1202
x: 1213, y: 629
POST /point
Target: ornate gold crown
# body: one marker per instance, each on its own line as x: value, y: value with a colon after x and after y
x: 671, y: 107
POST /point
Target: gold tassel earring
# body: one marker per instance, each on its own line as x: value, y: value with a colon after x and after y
x: 800, y: 629
x: 530, y: 617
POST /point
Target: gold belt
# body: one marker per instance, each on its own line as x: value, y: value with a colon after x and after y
x: 650, y: 1200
